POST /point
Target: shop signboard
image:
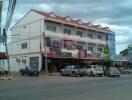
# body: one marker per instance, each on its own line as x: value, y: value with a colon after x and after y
x: 70, y: 44
x: 82, y: 53
x: 55, y: 45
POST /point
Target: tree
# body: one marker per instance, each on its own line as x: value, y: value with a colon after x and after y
x: 106, y: 58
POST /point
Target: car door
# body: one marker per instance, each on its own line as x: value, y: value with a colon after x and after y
x: 67, y: 70
x: 89, y: 69
x: 84, y: 69
x: 70, y: 70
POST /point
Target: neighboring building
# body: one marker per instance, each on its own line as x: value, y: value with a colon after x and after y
x: 124, y: 53
x: 130, y: 53
x: 68, y: 41
x: 127, y: 53
x: 121, y: 60
x: 111, y: 45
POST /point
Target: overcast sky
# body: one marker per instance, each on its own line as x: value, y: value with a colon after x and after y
x: 116, y: 14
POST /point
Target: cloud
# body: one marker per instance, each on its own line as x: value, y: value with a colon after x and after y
x: 113, y: 13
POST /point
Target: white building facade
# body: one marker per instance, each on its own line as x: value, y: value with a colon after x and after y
x: 62, y: 39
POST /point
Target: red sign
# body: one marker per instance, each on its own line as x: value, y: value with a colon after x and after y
x: 51, y: 53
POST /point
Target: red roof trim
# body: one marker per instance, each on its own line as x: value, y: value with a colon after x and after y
x: 77, y: 22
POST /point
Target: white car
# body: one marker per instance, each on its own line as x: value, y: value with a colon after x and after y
x: 128, y: 70
x: 71, y: 70
x: 93, y: 70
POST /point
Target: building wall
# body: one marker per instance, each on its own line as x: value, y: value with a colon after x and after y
x: 31, y: 29
x: 17, y: 64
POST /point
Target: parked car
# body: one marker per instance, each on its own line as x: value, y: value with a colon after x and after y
x: 128, y: 70
x: 112, y: 72
x: 29, y: 71
x: 71, y: 70
x: 93, y: 70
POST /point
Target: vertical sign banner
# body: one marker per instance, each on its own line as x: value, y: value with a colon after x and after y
x: 34, y: 62
x: 55, y: 45
x: 70, y: 44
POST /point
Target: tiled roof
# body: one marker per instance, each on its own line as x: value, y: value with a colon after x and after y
x: 63, y: 18
x: 41, y: 13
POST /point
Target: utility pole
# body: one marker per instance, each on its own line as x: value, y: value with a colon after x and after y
x: 5, y: 41
x: 0, y: 14
x: 45, y: 51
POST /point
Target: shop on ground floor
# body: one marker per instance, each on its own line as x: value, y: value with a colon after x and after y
x: 56, y: 63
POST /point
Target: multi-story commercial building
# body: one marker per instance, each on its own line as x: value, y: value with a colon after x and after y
x: 62, y: 40
x: 111, y: 45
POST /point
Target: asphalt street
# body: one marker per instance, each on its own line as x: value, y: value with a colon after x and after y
x: 66, y: 88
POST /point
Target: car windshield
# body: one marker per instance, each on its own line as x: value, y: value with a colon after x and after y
x: 77, y: 66
x: 98, y: 68
x: 113, y: 69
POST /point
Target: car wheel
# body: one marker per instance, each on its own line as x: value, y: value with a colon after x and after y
x: 91, y: 74
x: 74, y: 74
x: 61, y: 73
x: 118, y: 75
x: 22, y: 74
x: 100, y: 75
x: 37, y: 74
x: 81, y: 75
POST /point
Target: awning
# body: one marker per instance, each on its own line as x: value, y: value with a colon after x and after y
x: 3, y: 55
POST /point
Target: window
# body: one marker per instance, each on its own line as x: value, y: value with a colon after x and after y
x: 88, y: 66
x: 90, y: 49
x: 79, y: 46
x: 48, y: 41
x: 90, y: 35
x: 48, y: 27
x: 99, y: 37
x: 79, y: 33
x: 51, y: 27
x: 24, y: 45
x: 68, y: 31
x: 100, y: 49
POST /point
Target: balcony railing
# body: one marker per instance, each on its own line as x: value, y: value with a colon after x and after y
x: 75, y: 38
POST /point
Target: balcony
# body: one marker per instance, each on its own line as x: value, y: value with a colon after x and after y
x: 75, y: 38
x: 84, y: 39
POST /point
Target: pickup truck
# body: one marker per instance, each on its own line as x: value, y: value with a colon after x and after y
x: 29, y: 71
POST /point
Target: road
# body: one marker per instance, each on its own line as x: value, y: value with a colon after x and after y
x: 66, y: 88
